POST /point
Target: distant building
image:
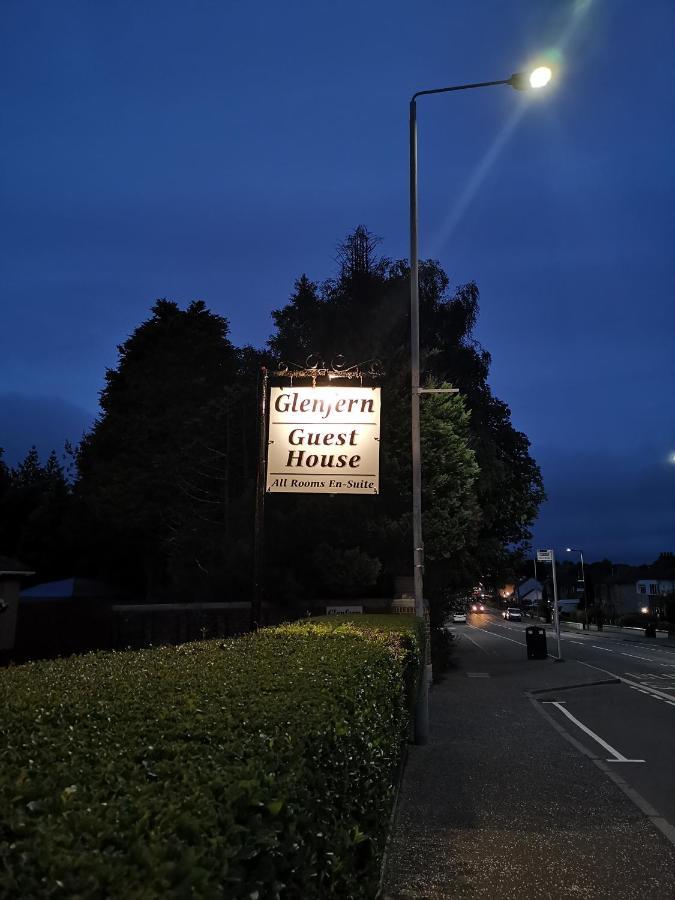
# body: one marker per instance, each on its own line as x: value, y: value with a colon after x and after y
x: 568, y: 604
x: 635, y: 589
x: 528, y: 593
x: 11, y: 573
x: 655, y: 587
x: 58, y: 618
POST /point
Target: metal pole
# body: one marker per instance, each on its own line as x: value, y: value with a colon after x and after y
x: 557, y: 607
x: 583, y: 579
x: 535, y: 589
x: 422, y: 703
x: 259, y: 527
x: 422, y: 709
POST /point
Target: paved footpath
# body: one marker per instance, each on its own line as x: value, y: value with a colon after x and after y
x: 499, y: 805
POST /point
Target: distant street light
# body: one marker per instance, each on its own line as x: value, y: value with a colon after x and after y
x: 536, y: 79
x: 583, y: 579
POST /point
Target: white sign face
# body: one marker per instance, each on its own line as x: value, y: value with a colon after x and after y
x: 544, y: 555
x: 324, y: 440
x: 344, y: 610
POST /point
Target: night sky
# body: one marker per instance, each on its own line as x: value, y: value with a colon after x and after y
x: 217, y: 150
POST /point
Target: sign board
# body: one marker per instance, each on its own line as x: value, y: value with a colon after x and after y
x: 324, y: 440
x: 544, y: 555
x: 343, y: 610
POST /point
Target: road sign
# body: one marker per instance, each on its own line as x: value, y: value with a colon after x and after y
x: 544, y: 555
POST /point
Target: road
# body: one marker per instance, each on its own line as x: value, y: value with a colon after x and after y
x: 624, y: 714
x: 541, y: 779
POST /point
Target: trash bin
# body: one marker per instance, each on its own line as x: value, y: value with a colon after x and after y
x: 535, y: 639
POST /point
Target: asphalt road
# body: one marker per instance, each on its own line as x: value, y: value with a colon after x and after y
x: 541, y: 779
x: 631, y: 709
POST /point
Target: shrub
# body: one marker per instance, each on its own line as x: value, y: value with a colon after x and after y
x: 258, y: 767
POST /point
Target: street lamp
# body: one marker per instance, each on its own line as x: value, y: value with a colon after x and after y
x: 538, y: 78
x: 583, y: 579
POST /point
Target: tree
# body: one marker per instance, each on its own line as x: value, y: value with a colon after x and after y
x: 482, y: 488
x: 166, y: 477
x: 35, y: 504
x: 156, y: 471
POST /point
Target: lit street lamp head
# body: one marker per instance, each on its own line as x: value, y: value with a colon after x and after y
x: 540, y: 77
x: 537, y: 78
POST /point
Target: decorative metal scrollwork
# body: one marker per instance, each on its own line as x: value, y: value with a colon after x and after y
x: 315, y: 367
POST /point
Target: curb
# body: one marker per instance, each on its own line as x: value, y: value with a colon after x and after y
x: 390, y: 829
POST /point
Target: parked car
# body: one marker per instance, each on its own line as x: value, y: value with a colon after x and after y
x: 512, y: 614
x: 459, y: 617
x: 477, y: 608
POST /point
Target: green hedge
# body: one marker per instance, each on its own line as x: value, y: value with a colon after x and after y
x: 257, y: 767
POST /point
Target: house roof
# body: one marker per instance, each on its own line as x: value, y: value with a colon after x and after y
x: 70, y: 588
x: 10, y: 566
x: 528, y: 586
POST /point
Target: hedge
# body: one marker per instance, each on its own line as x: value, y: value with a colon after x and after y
x: 258, y: 767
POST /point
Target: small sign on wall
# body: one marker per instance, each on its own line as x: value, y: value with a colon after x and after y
x: 343, y: 610
x: 324, y: 440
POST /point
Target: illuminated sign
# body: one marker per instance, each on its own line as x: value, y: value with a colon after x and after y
x: 324, y: 440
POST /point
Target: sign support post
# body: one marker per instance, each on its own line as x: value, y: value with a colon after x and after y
x: 549, y: 556
x: 557, y: 609
x: 320, y: 439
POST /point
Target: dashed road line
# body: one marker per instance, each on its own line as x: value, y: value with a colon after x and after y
x: 651, y: 691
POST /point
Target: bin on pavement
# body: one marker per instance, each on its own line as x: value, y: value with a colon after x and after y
x: 535, y: 640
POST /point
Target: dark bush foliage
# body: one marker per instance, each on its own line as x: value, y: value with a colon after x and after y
x: 259, y: 767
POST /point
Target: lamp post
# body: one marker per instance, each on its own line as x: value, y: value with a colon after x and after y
x: 538, y: 78
x: 583, y: 580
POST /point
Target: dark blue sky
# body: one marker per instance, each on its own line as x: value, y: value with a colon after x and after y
x: 217, y: 150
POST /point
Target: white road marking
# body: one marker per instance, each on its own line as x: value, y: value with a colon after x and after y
x: 502, y: 636
x: 616, y: 756
x: 666, y: 829
x: 644, y: 658
x: 651, y: 690
x: 644, y: 679
x: 475, y: 643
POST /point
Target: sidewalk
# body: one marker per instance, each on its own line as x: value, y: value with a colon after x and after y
x: 626, y: 634
x: 498, y: 805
